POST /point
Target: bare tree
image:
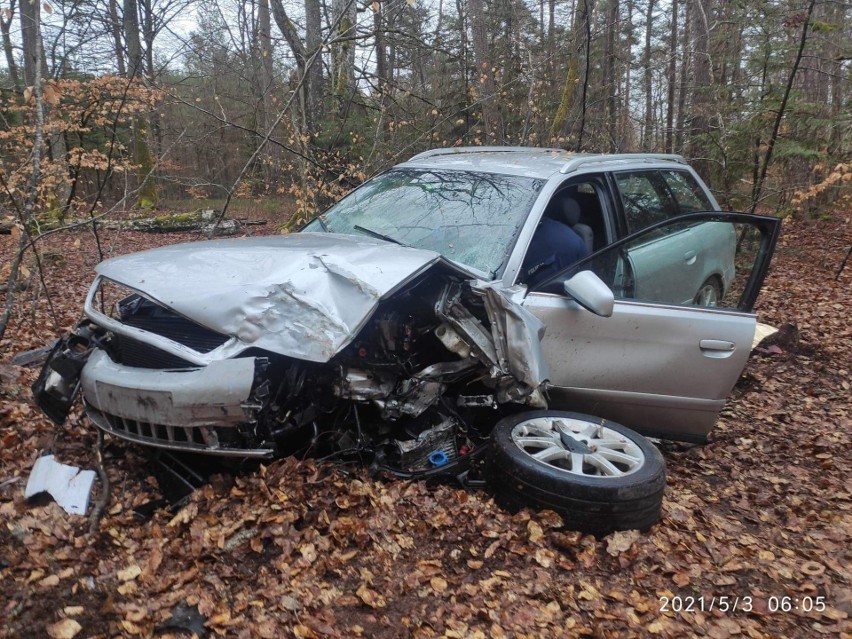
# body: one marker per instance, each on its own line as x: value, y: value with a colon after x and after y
x: 6, y: 17
x: 311, y: 90
x: 648, y: 128
x: 487, y: 93
x: 671, y: 79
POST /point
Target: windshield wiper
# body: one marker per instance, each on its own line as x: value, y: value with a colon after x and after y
x: 379, y: 236
x: 323, y: 224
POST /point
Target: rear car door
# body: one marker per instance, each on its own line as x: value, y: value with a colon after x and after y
x: 662, y: 363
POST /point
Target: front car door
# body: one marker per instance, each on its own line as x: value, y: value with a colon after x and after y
x: 662, y: 363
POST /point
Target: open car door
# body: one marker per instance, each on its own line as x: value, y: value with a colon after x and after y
x: 681, y: 328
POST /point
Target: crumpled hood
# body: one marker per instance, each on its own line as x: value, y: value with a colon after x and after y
x: 305, y: 295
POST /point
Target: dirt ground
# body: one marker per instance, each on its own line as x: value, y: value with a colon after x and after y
x: 755, y: 539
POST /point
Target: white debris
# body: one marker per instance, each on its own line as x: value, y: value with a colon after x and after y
x: 68, y: 485
x: 761, y: 332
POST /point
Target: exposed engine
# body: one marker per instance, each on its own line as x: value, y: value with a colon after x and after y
x: 415, y: 391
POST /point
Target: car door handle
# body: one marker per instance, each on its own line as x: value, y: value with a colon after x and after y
x: 717, y: 348
x: 690, y: 256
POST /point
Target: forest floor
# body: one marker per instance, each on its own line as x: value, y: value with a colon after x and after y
x: 754, y: 522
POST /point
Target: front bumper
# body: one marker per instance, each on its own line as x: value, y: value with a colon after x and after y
x: 196, y: 410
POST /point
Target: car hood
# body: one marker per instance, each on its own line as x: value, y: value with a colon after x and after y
x: 304, y: 295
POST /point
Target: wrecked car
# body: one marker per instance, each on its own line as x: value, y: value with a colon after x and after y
x: 401, y: 329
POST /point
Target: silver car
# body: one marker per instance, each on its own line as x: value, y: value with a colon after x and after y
x: 400, y: 329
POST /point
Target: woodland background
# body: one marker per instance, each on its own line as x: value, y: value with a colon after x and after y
x: 110, y: 104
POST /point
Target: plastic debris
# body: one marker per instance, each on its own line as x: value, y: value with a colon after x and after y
x: 68, y: 485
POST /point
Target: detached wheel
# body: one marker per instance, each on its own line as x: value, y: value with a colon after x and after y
x: 599, y: 475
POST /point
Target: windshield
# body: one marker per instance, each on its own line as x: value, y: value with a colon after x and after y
x: 466, y: 216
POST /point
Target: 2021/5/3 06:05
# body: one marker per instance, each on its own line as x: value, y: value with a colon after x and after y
x: 743, y: 603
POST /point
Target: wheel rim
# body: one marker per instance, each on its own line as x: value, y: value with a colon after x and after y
x: 578, y: 447
x: 707, y: 295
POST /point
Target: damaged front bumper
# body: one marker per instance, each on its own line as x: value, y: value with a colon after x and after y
x: 203, y: 409
x: 190, y: 410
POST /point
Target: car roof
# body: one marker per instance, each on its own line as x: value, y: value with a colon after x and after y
x: 533, y: 162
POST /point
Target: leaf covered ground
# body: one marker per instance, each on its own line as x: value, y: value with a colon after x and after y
x: 302, y: 549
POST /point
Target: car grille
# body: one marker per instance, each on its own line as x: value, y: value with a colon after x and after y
x: 207, y: 439
x: 139, y: 312
x: 144, y: 314
x: 160, y: 432
x: 132, y: 352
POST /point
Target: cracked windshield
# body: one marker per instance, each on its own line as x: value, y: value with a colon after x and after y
x: 468, y: 217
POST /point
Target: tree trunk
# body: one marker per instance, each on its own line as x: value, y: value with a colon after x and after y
x: 343, y: 53
x: 682, y: 79
x: 115, y: 29
x: 381, y: 53
x: 570, y: 116
x: 136, y: 71
x: 670, y: 98
x: 626, y: 125
x: 588, y: 5
x: 703, y: 83
x: 463, y: 59
x: 272, y: 152
x: 487, y: 94
x: 131, y: 37
x: 5, y: 27
x: 32, y: 43
x: 648, y: 129
x: 609, y: 80
x: 313, y: 42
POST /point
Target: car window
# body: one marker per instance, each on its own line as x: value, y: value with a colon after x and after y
x: 685, y: 262
x: 645, y: 198
x: 469, y: 217
x: 688, y: 194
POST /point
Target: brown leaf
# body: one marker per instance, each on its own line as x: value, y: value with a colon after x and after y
x: 620, y: 541
x: 535, y: 531
x: 129, y: 573
x: 64, y: 629
x: 439, y: 584
x: 370, y: 597
x: 681, y: 579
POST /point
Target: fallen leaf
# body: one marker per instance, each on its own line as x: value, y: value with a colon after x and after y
x: 129, y: 573
x: 535, y: 531
x: 64, y: 629
x: 439, y: 584
x: 620, y: 541
x: 370, y: 597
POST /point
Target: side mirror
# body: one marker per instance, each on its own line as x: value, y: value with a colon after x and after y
x: 589, y: 291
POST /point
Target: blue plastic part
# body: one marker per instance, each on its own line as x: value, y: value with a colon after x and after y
x: 438, y: 458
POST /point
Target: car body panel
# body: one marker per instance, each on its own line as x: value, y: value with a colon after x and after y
x: 303, y: 295
x: 673, y: 266
x: 659, y: 366
x: 644, y: 365
x: 208, y: 395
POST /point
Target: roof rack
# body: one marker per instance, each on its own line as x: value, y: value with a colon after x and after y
x: 575, y: 163
x: 483, y: 149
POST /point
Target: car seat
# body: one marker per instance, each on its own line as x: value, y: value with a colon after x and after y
x: 566, y: 210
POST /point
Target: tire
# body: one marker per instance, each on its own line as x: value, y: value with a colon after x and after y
x: 630, y: 497
x: 710, y: 293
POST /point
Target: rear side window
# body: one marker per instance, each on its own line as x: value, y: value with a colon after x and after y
x: 649, y: 197
x: 645, y: 197
x: 689, y: 196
